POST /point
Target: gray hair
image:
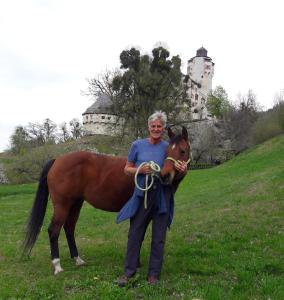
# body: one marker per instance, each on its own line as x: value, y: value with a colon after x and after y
x: 158, y: 115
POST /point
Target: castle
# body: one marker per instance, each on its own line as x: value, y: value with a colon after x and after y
x: 98, y: 119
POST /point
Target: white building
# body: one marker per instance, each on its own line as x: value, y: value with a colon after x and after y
x: 200, y: 70
x: 98, y: 119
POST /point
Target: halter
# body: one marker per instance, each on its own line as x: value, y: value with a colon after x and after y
x: 178, y: 161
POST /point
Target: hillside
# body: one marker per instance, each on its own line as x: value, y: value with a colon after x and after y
x: 226, y: 241
x: 26, y: 166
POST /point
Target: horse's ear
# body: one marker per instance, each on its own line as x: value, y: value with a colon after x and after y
x: 184, y: 133
x: 170, y: 133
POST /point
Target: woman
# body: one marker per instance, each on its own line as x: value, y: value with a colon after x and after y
x: 159, y: 201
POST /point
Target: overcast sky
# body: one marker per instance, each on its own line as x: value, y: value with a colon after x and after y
x: 48, y: 49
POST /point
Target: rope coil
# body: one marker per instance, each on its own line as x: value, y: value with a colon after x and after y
x: 155, y: 168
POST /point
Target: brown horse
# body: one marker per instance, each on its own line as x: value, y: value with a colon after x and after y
x: 100, y: 180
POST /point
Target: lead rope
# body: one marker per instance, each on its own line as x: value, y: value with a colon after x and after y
x: 156, y: 168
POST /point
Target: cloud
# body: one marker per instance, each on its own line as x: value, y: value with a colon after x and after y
x: 19, y: 72
x: 49, y: 47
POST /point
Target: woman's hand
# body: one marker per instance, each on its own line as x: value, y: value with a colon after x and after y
x: 130, y: 169
x: 181, y: 166
x: 146, y: 169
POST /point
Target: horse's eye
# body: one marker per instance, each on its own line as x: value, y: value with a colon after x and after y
x: 182, y: 152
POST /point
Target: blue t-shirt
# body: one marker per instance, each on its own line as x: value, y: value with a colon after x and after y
x: 143, y: 151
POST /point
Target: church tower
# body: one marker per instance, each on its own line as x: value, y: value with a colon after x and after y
x: 200, y: 70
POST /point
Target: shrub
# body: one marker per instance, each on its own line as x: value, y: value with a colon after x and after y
x: 27, y: 168
x: 270, y: 124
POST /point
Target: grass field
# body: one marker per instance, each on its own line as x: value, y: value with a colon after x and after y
x: 226, y: 241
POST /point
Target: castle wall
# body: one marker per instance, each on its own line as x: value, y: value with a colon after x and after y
x: 102, y: 124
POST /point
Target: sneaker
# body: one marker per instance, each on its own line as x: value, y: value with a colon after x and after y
x: 122, y: 281
x: 152, y: 280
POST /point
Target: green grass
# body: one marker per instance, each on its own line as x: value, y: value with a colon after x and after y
x: 226, y: 241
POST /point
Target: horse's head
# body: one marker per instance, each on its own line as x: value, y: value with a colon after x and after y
x: 178, y: 150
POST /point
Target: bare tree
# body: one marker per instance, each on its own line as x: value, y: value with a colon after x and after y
x: 279, y: 108
x: 239, y: 121
x: 49, y: 131
x: 76, y: 128
x: 36, y: 134
x: 102, y: 84
x: 64, y: 134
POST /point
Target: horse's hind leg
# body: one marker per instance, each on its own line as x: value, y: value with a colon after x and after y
x: 69, y: 228
x: 59, y: 217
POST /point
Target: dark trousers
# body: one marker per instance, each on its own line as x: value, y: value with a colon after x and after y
x: 137, y: 229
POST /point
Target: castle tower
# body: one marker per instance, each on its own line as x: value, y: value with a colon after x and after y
x: 200, y: 70
x: 99, y: 119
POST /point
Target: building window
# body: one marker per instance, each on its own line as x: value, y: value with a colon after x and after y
x: 103, y: 117
x: 108, y: 118
x: 196, y: 97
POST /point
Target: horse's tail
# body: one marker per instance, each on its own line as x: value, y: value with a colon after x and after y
x: 38, y: 210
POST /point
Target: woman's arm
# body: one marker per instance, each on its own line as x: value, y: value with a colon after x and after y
x: 130, y: 169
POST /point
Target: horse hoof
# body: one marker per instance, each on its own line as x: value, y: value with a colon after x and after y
x: 58, y: 270
x: 57, y: 266
x: 79, y: 261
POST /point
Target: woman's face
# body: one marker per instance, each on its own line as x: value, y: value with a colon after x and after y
x: 156, y: 129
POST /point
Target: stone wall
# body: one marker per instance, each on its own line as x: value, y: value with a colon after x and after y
x: 209, y: 141
x: 102, y: 124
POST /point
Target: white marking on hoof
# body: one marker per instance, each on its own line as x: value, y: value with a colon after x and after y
x: 79, y: 261
x: 57, y: 266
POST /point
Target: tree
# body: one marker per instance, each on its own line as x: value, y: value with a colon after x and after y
x: 144, y: 84
x: 239, y: 121
x: 270, y: 123
x: 64, y: 135
x: 148, y: 84
x: 76, y: 128
x: 49, y: 131
x: 218, y: 103
x: 279, y: 108
x: 102, y: 84
x: 36, y: 135
x: 19, y: 140
x: 40, y: 134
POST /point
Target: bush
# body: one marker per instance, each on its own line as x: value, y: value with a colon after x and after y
x: 27, y: 168
x: 270, y: 124
x: 265, y: 129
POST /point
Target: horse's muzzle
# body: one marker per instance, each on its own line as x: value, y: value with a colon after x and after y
x: 168, y: 178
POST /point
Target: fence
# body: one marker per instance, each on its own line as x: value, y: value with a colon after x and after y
x: 200, y: 166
